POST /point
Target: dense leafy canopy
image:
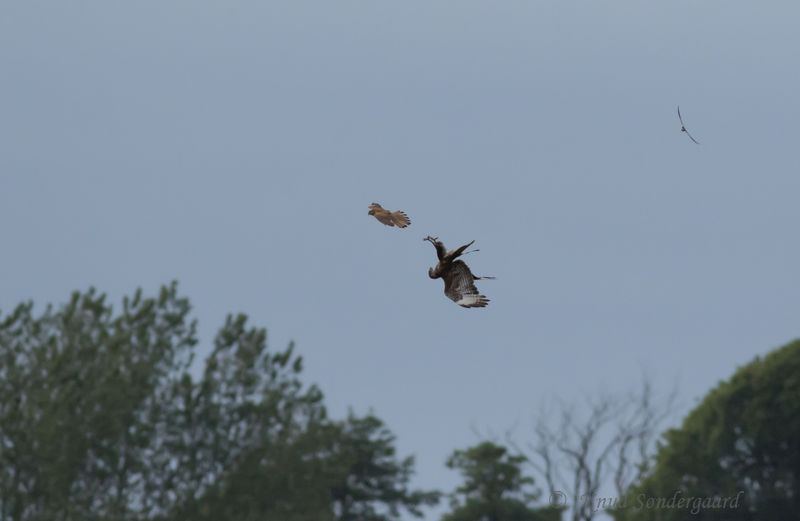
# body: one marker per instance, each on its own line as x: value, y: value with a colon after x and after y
x: 103, y: 416
x: 494, y: 487
x: 742, y: 440
x: 101, y: 419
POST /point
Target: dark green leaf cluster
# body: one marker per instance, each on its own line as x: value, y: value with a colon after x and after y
x: 494, y: 487
x: 743, y: 439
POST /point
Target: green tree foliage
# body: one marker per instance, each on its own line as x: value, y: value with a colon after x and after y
x: 370, y: 478
x: 348, y: 468
x: 101, y: 419
x: 494, y: 487
x: 744, y: 438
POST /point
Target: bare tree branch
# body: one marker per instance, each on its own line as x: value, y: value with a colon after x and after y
x: 614, y: 441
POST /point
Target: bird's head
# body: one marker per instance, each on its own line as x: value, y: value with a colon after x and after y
x: 431, y: 274
x: 430, y: 239
x: 373, y: 208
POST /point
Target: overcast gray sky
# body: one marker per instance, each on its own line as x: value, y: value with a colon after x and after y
x: 235, y: 147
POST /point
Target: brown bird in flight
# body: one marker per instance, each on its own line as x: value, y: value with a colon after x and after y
x: 459, y: 282
x: 398, y: 218
x: 683, y: 128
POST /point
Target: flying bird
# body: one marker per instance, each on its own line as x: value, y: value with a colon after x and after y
x: 398, y: 218
x: 459, y: 282
x: 683, y: 128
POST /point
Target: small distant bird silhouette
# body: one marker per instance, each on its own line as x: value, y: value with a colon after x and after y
x: 683, y: 128
x: 459, y: 282
x: 398, y: 218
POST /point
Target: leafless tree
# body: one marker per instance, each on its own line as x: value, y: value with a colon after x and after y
x: 611, y: 438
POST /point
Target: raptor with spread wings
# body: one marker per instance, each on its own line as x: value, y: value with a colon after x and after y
x: 683, y: 128
x: 398, y: 218
x: 459, y: 282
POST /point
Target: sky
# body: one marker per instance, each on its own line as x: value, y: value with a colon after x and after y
x: 235, y: 147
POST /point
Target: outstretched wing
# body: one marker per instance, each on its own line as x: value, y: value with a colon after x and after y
x: 384, y: 216
x: 459, y: 286
x: 400, y: 219
x: 690, y: 136
x: 458, y: 251
x: 683, y: 127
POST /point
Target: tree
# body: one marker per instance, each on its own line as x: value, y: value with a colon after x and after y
x: 494, y: 487
x: 614, y: 442
x: 369, y: 476
x: 81, y: 404
x: 737, y: 455
x: 343, y: 470
x: 247, y: 414
x: 101, y: 419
